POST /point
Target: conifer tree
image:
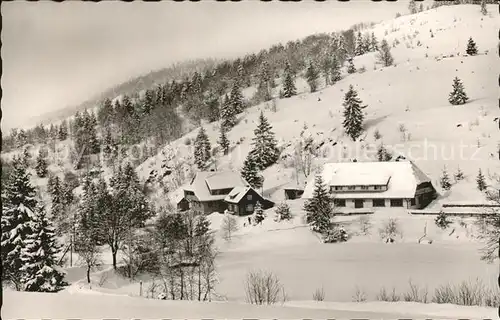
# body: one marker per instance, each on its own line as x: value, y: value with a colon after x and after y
x: 265, y: 151
x: 283, y: 212
x: 39, y: 257
x: 312, y: 77
x: 18, y: 207
x: 319, y: 208
x: 105, y: 112
x: 212, y: 106
x: 471, y: 47
x: 259, y: 213
x: 353, y: 114
x: 236, y: 98
x: 350, y: 66
x: 384, y: 54
x: 359, y: 49
x: 442, y: 220
x: 445, y: 180
x: 250, y: 172
x: 421, y: 8
x: 458, y: 95
x: 63, y: 131
x: 373, y: 43
x: 41, y: 164
x: 326, y: 67
x: 383, y: 154
x: 480, y: 180
x: 228, y: 116
x: 202, y: 149
x: 484, y: 11
x: 335, y: 70
x: 223, y: 141
x: 289, y: 89
x: 459, y: 175
x: 412, y: 7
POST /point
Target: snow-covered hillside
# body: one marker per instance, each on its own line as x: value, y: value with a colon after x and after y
x: 413, y: 93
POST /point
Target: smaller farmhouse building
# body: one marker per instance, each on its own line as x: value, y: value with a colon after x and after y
x: 293, y: 190
x: 242, y: 201
x: 376, y: 184
x: 217, y: 191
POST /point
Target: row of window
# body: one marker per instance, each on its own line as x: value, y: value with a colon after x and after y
x: 352, y: 188
x: 221, y: 191
x: 359, y: 203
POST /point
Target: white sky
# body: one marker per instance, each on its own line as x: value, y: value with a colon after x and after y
x: 60, y: 54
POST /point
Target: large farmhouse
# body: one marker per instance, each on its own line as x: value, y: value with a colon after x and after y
x: 376, y: 184
x: 213, y: 191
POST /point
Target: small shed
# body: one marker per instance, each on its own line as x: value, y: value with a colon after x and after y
x: 183, y: 205
x: 242, y: 201
x: 293, y: 190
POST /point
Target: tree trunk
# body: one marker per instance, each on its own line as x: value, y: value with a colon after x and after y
x: 113, y: 253
x: 88, y: 274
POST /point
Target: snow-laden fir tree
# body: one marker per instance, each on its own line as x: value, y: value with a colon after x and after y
x: 265, y: 82
x: 202, y: 149
x: 258, y: 213
x: 250, y: 172
x: 421, y: 8
x: 353, y: 114
x: 40, y: 272
x: 444, y: 181
x: 360, y: 45
x: 264, y: 146
x: 384, y: 54
x: 383, y: 154
x: 289, y: 89
x: 480, y: 181
x: 223, y: 141
x: 373, y: 43
x: 236, y: 98
x: 18, y: 207
x: 212, y: 107
x: 350, y: 65
x: 335, y: 70
x: 471, y: 47
x: 41, y: 164
x: 63, y: 131
x: 412, y: 7
x: 283, y: 212
x: 312, y: 76
x: 227, y: 114
x: 459, y: 175
x: 458, y: 95
x: 484, y: 11
x: 319, y: 208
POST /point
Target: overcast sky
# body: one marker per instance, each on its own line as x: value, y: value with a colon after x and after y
x: 60, y: 54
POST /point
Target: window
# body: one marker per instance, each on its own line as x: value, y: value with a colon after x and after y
x: 364, y: 187
x: 358, y: 203
x: 338, y: 188
x: 249, y: 197
x: 378, y: 202
x: 351, y: 187
x: 413, y: 202
x: 250, y: 207
x: 396, y: 202
x: 339, y: 202
x: 378, y: 187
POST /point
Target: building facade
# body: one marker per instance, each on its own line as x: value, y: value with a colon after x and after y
x: 376, y: 185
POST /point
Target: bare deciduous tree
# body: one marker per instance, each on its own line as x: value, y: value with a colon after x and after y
x: 229, y: 226
x: 263, y: 287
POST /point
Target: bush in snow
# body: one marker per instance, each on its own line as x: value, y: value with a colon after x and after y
x: 416, y: 294
x: 319, y: 294
x: 283, y: 212
x: 263, y: 287
x: 390, y: 230
x: 377, y: 135
x: 337, y: 234
x: 459, y: 175
x: 442, y: 220
x: 365, y: 224
x: 359, y: 295
x: 384, y: 295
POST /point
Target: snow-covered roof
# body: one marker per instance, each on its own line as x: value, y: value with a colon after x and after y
x: 237, y: 194
x: 401, y: 177
x: 204, y: 180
